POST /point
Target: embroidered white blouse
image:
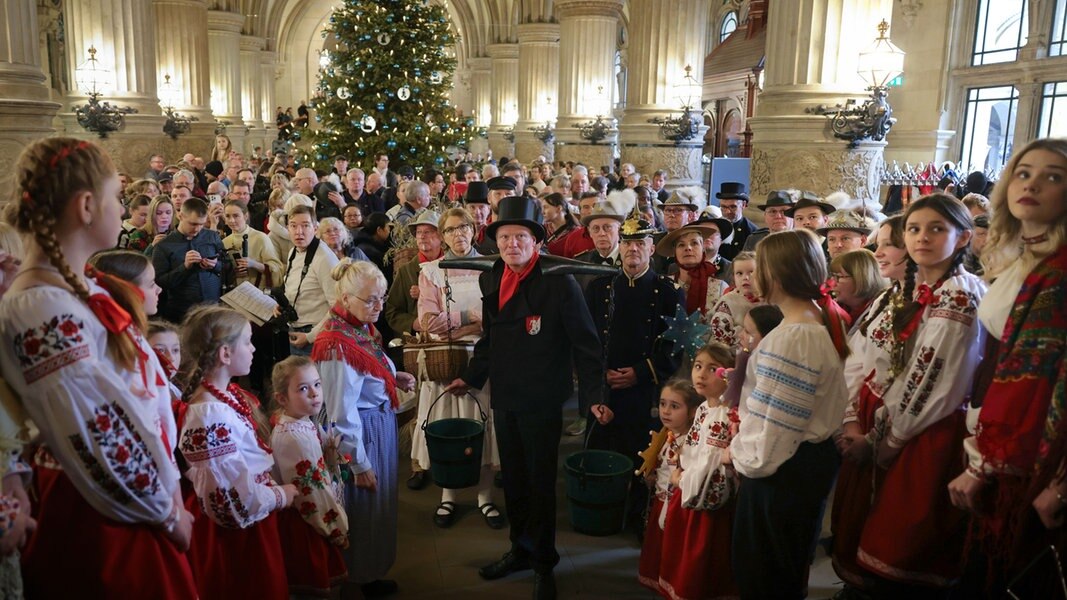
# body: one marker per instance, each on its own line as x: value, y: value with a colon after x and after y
x: 727, y: 318
x: 799, y: 396
x: 466, y: 304
x: 298, y: 460
x: 869, y: 360
x: 707, y: 483
x: 229, y: 471
x: 99, y: 422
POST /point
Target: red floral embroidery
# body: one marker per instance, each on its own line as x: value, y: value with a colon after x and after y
x: 202, y: 443
x: 310, y: 477
x: 48, y: 348
x: 330, y: 516
x: 130, y: 468
x: 225, y: 505
x: 308, y: 508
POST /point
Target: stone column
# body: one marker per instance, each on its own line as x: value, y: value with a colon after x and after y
x: 588, y: 33
x: 26, y: 110
x: 268, y: 68
x: 252, y: 91
x: 811, y: 62
x: 662, y: 44
x: 538, y: 85
x: 481, y: 99
x: 224, y: 54
x: 123, y: 33
x: 181, y: 52
x: 503, y: 98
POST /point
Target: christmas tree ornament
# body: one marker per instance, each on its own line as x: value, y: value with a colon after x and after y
x: 391, y: 144
x: 367, y: 124
x: 343, y: 93
x: 384, y: 39
x: 688, y: 332
x: 403, y: 93
x: 380, y: 106
x: 436, y: 78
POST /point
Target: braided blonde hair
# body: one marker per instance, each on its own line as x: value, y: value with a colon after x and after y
x: 47, y: 175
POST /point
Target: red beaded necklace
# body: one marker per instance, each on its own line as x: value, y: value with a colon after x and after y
x: 234, y: 399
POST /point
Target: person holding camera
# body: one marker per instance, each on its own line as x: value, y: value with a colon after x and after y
x: 307, y: 291
x: 188, y: 263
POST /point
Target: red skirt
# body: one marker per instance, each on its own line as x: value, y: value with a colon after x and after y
x: 696, y: 560
x: 78, y: 553
x: 236, y: 563
x: 852, y: 499
x: 651, y: 549
x: 913, y: 533
x: 312, y: 563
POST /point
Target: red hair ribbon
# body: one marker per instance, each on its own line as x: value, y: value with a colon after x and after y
x: 837, y: 322
x: 66, y: 151
x: 924, y: 296
x: 114, y: 318
x: 28, y: 199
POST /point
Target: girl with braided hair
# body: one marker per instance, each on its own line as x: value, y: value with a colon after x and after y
x: 111, y: 521
x: 911, y: 543
x: 236, y: 551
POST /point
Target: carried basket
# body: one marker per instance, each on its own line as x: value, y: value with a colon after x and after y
x: 435, y: 360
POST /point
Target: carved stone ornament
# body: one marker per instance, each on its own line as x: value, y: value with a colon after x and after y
x: 855, y: 172
x: 680, y: 162
x: 587, y: 154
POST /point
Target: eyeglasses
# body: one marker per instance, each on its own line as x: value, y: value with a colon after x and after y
x: 456, y: 229
x: 841, y: 276
x: 369, y: 302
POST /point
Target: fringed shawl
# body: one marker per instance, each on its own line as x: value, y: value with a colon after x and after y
x: 346, y: 338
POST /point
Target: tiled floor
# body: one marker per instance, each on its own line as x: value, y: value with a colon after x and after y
x: 443, y: 563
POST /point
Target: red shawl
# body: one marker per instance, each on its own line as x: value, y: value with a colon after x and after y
x: 344, y: 337
x: 697, y: 295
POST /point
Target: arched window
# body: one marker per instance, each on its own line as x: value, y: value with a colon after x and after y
x: 729, y: 25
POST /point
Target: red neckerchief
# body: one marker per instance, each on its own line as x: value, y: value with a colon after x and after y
x: 924, y: 296
x: 697, y: 295
x: 344, y: 337
x: 481, y: 234
x: 509, y: 283
x: 423, y: 259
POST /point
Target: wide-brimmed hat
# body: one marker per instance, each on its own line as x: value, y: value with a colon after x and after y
x: 665, y: 247
x: 730, y: 190
x: 424, y: 217
x: 808, y: 200
x: 615, y: 207
x: 777, y: 198
x: 849, y: 220
x: 713, y: 215
x: 477, y: 193
x: 690, y: 197
x: 516, y: 210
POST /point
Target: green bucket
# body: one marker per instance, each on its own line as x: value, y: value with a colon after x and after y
x: 455, y: 448
x: 597, y: 485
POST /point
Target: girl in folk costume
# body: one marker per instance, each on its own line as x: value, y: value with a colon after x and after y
x: 224, y: 441
x: 1014, y: 483
x: 912, y: 539
x: 165, y: 340
x: 728, y: 316
x: 758, y: 323
x: 106, y: 480
x: 699, y: 523
x: 450, y: 308
x: 314, y: 528
x: 695, y: 274
x: 783, y: 450
x: 678, y: 402
x: 867, y: 377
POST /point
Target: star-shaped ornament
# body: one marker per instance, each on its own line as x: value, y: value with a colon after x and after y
x: 687, y: 332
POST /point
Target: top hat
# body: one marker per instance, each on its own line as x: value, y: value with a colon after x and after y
x: 477, y: 193
x: 214, y: 168
x: 516, y: 210
x: 777, y: 198
x: 732, y: 190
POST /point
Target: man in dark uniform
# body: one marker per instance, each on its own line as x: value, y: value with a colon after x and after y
x: 537, y: 332
x: 732, y: 200
x: 628, y: 311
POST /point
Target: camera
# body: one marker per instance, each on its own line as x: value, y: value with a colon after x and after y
x: 287, y: 314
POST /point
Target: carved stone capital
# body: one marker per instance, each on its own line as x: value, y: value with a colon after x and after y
x: 591, y: 155
x: 589, y: 8
x: 820, y: 170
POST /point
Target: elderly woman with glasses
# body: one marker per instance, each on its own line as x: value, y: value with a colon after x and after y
x: 450, y: 308
x: 337, y: 238
x: 360, y: 396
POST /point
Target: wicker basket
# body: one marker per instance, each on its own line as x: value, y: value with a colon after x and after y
x: 443, y: 361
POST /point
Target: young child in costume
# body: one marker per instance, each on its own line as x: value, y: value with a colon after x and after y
x: 727, y: 317
x: 699, y: 524
x: 678, y: 402
x: 236, y: 550
x: 315, y: 526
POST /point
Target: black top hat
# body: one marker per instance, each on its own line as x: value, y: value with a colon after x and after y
x: 732, y: 190
x: 477, y: 193
x: 516, y: 210
x: 502, y: 183
x: 777, y: 198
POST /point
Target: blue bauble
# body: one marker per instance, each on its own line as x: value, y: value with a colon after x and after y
x: 418, y: 128
x: 414, y: 90
x: 413, y: 149
x: 322, y: 156
x: 381, y: 106
x: 440, y: 160
x: 389, y: 19
x: 418, y: 71
x: 390, y: 144
x: 361, y: 86
x: 361, y: 153
x: 469, y: 122
x: 393, y: 120
x: 444, y: 126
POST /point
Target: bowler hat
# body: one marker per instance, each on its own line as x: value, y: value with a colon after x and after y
x: 732, y: 190
x: 516, y: 210
x: 502, y: 183
x: 477, y: 193
x: 777, y: 198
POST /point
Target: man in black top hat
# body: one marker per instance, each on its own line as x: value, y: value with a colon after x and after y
x: 628, y: 310
x: 733, y: 199
x: 537, y: 332
x: 774, y: 209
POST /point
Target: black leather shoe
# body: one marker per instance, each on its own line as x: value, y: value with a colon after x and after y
x: 508, y: 564
x: 379, y: 588
x: 544, y: 586
x: 417, y: 481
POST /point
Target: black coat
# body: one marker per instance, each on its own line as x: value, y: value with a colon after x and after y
x: 529, y: 349
x: 742, y: 229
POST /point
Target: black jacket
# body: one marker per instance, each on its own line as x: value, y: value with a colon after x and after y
x: 742, y: 229
x: 529, y: 349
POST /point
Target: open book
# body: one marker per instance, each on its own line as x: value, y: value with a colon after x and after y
x: 252, y: 302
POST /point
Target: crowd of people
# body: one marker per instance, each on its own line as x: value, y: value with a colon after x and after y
x: 906, y: 369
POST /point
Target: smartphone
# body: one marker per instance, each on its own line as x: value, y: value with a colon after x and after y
x: 214, y: 199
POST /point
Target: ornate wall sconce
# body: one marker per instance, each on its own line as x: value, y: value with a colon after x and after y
x: 685, y: 126
x: 508, y: 133
x: 99, y: 117
x: 176, y: 124
x: 596, y: 131
x: 871, y: 120
x: 545, y: 132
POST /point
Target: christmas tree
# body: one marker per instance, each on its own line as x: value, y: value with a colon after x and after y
x: 384, y: 87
